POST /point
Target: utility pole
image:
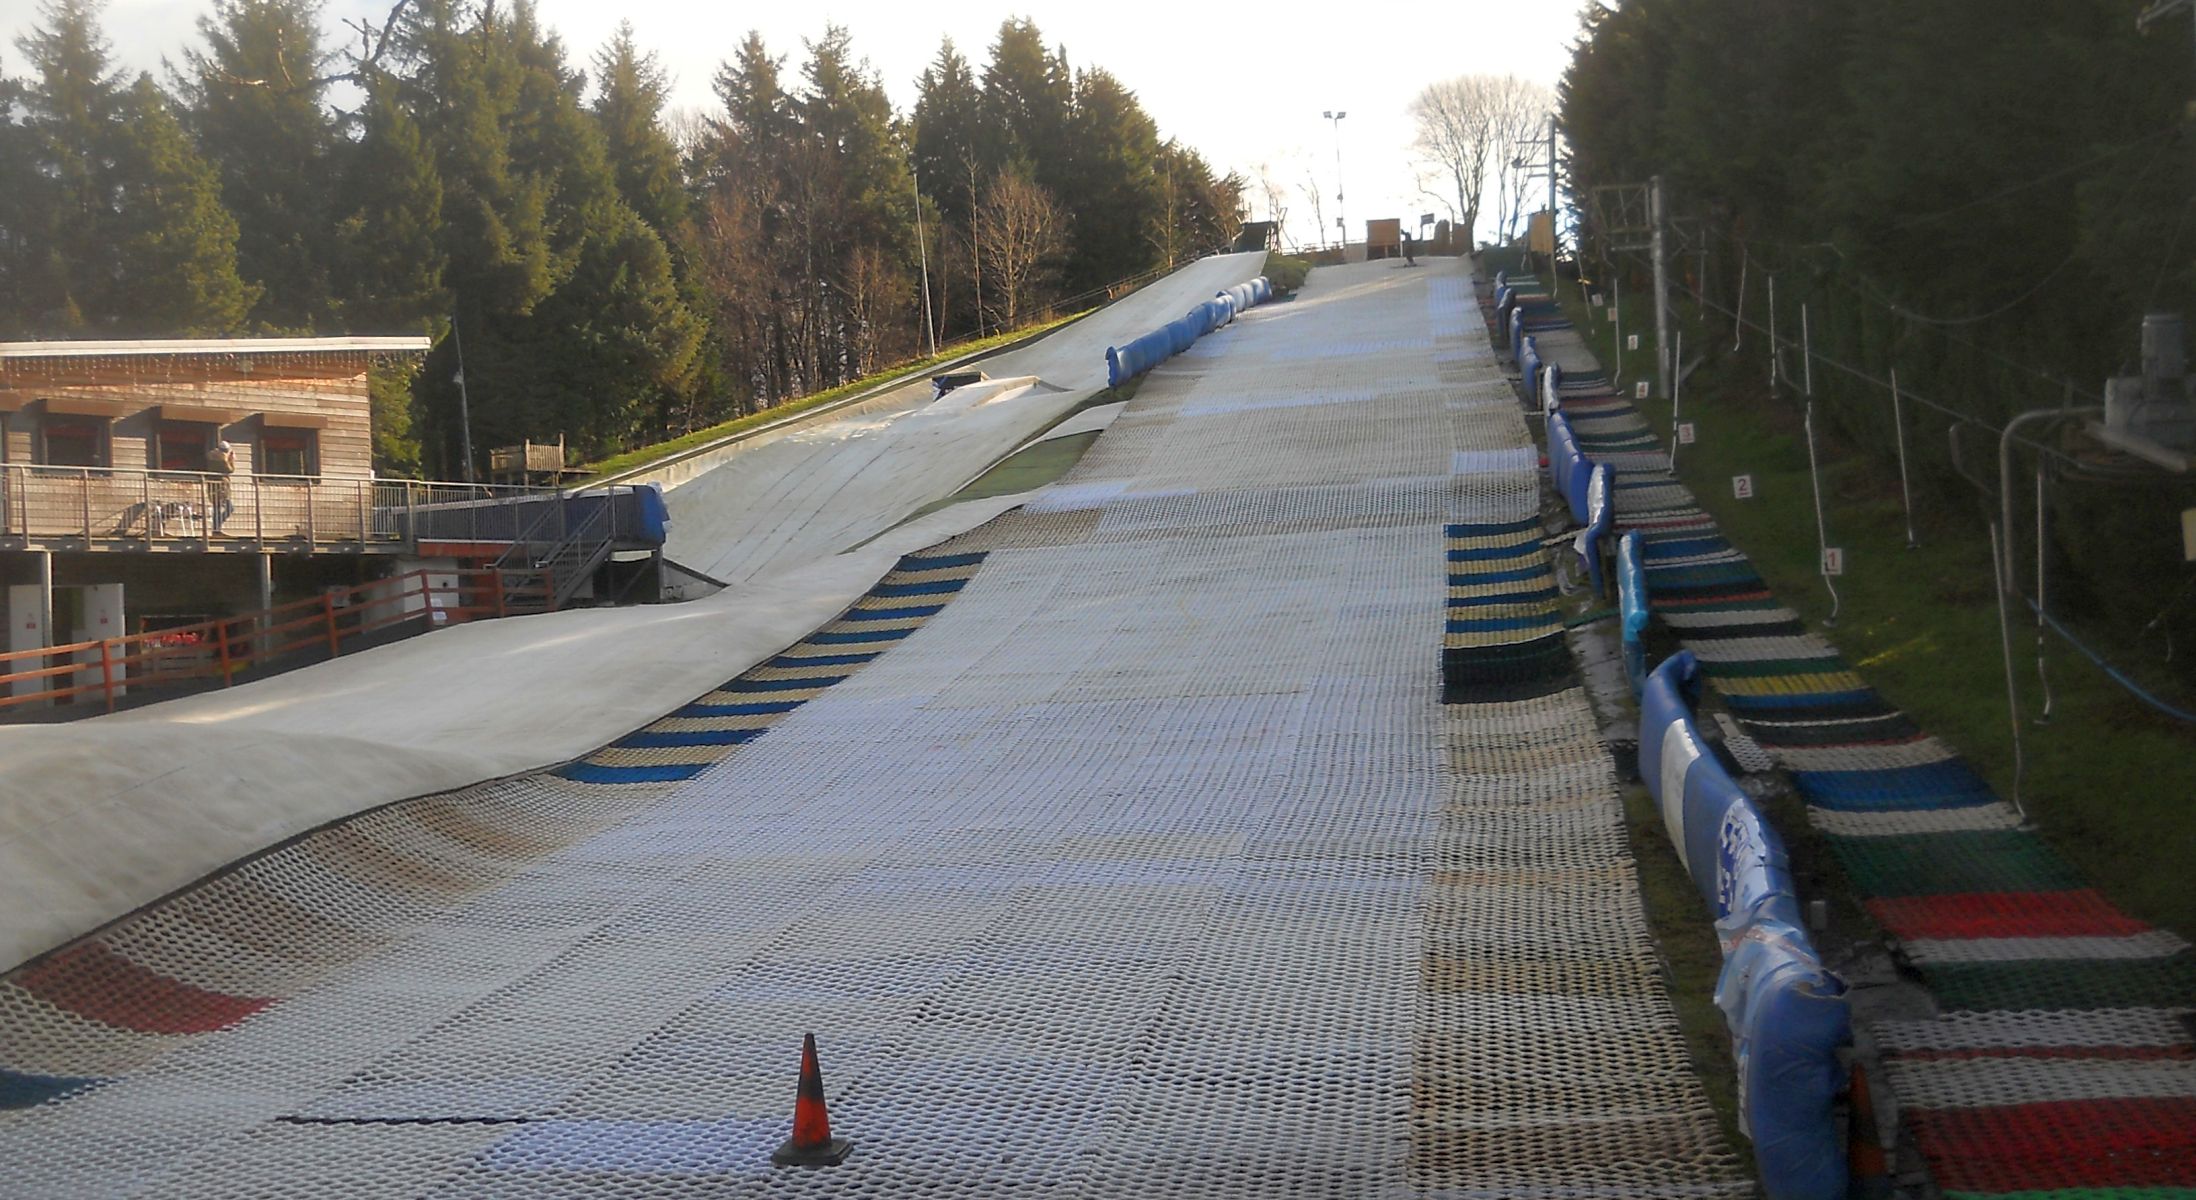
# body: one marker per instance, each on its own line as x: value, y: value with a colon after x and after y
x: 1341, y: 211
x: 465, y: 404
x: 1554, y: 239
x: 915, y: 182
x: 1661, y: 248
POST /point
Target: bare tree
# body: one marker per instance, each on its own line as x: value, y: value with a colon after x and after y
x: 1522, y: 118
x: 1465, y: 126
x: 1019, y: 229
x: 1319, y: 218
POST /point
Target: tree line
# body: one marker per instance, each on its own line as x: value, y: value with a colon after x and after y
x: 608, y: 270
x: 1985, y: 198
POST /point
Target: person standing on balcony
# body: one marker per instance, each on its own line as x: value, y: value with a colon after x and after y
x: 220, y: 464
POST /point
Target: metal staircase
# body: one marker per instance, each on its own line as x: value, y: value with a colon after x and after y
x: 555, y: 556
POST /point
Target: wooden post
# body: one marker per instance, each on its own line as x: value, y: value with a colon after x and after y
x: 145, y: 501
x: 221, y: 648
x: 259, y: 511
x: 496, y: 574
x: 84, y: 494
x: 106, y: 670
x: 328, y: 612
x: 549, y: 589
x: 365, y: 510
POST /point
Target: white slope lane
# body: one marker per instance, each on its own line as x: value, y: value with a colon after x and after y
x: 1149, y: 866
x: 792, y: 496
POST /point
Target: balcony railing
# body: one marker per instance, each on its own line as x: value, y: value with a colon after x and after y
x: 94, y: 505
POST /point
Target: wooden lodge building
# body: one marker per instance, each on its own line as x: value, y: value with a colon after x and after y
x: 116, y: 519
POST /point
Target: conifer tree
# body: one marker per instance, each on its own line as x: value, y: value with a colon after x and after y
x: 254, y: 101
x: 388, y: 253
x: 68, y: 104
x: 174, y: 245
x: 631, y: 92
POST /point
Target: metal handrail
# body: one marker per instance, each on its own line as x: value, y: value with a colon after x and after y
x: 137, y: 504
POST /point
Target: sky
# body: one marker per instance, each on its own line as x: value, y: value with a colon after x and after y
x: 1243, y: 85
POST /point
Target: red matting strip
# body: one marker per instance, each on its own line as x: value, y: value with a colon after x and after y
x: 94, y: 982
x: 2082, y: 912
x: 2065, y: 1144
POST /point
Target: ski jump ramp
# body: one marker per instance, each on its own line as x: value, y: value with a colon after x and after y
x: 1120, y: 846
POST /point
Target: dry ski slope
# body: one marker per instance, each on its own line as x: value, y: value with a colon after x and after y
x: 813, y: 491
x: 1122, y: 847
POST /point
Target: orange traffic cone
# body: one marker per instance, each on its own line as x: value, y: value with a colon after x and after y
x: 1867, y: 1178
x: 811, y: 1144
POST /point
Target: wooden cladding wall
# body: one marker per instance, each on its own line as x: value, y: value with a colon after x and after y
x: 335, y: 410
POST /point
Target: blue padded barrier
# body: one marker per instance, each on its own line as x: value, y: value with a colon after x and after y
x: 1600, y: 515
x: 1516, y: 343
x: 1632, y: 607
x: 1551, y: 385
x: 1124, y: 363
x: 1182, y: 333
x: 1528, y: 366
x: 1569, y: 471
x: 1502, y: 279
x: 1787, y: 1014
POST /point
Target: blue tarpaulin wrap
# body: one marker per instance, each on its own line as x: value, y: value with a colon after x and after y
x: 1633, y: 608
x: 1787, y: 1014
x: 1124, y: 363
x: 1569, y: 472
x: 1600, y: 515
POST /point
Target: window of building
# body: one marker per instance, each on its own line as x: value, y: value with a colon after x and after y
x: 74, y: 442
x: 182, y: 446
x: 288, y: 452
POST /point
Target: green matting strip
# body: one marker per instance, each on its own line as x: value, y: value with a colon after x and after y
x: 1943, y: 864
x: 2064, y: 983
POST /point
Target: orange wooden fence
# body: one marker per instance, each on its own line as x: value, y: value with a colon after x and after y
x: 228, y: 646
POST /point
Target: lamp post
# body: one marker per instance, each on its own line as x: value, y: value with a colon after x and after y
x: 1341, y: 211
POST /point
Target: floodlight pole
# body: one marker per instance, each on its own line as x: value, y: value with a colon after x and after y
x: 465, y: 404
x: 930, y: 328
x: 1342, y: 214
x: 1662, y: 288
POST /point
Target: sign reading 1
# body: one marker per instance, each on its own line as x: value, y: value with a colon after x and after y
x: 1833, y: 560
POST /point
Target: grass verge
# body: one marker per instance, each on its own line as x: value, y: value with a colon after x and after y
x: 702, y: 437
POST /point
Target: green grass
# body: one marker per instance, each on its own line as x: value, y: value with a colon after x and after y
x: 2108, y: 781
x: 1685, y: 942
x: 702, y: 437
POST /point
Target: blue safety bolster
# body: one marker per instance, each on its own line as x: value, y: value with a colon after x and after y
x: 802, y: 684
x: 823, y: 660
x: 1547, y: 593
x: 583, y: 772
x: 668, y: 739
x: 935, y: 587
x: 856, y: 637
x: 1462, y: 531
x: 1497, y: 624
x: 1492, y: 553
x: 892, y: 614
x: 761, y: 708
x: 1481, y: 578
x: 940, y: 562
